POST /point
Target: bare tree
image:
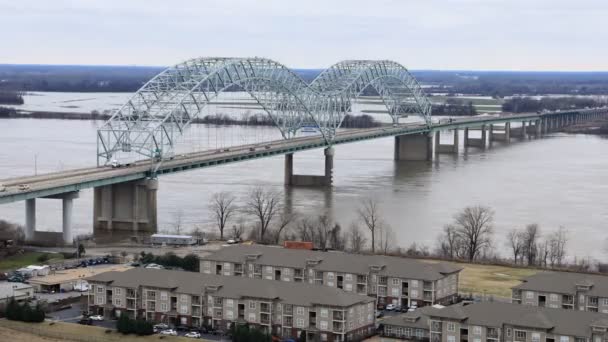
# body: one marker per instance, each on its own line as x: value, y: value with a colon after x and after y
x: 305, y: 230
x: 323, y: 226
x: 515, y: 240
x: 223, y: 207
x: 386, y: 237
x: 177, y: 221
x: 557, y: 246
x: 337, y: 239
x: 474, y: 227
x: 264, y: 206
x: 449, y: 243
x: 369, y: 213
x: 285, y: 220
x: 238, y: 231
x: 356, y: 239
x: 530, y: 243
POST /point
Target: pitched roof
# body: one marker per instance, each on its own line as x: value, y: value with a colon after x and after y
x: 232, y: 287
x: 334, y: 261
x: 415, y: 319
x: 565, y: 283
x: 495, y: 314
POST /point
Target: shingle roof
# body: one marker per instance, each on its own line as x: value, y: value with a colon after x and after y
x: 335, y: 261
x: 565, y: 283
x: 415, y: 319
x: 495, y: 314
x: 232, y: 287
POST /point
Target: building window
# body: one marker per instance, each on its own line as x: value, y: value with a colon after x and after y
x: 117, y: 302
x: 99, y: 289
x: 605, y: 301
x: 163, y: 307
x: 395, y: 292
x: 330, y: 275
x: 396, y: 281
x: 300, y: 323
x: 251, y: 317
x: 348, y: 287
x: 183, y: 298
x: 553, y: 297
x: 451, y: 326
x: 414, y: 283
x: 183, y: 309
x: 520, y: 335
x: 535, y: 337
x: 117, y: 290
x: 508, y: 332
x: 99, y: 300
x: 477, y: 330
x: 419, y: 333
x: 163, y: 295
x: 323, y: 325
x: 229, y: 314
x: 451, y: 338
x: 251, y: 304
x: 348, y: 277
x: 414, y: 293
x: 268, y: 269
x: 299, y: 310
x: 324, y: 313
x: 229, y: 303
x: 217, y: 301
x: 564, y: 339
x: 529, y: 294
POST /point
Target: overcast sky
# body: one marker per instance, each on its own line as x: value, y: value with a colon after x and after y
x: 420, y: 34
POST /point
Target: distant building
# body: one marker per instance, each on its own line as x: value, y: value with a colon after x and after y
x: 19, y: 291
x: 34, y: 271
x: 497, y: 322
x: 178, y: 240
x: 71, y: 279
x: 401, y: 281
x: 193, y: 299
x: 563, y: 290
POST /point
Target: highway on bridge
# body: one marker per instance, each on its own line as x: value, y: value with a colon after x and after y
x: 22, y: 188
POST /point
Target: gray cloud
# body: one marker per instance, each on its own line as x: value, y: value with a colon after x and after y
x: 421, y: 34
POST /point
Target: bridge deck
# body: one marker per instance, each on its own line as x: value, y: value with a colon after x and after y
x: 74, y: 180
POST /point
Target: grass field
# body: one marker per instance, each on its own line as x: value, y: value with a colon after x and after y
x: 28, y: 258
x: 490, y: 279
x: 60, y: 331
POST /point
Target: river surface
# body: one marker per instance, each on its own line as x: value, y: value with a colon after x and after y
x: 559, y: 180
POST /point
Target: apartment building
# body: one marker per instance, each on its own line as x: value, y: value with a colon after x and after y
x: 564, y: 290
x: 401, y: 281
x: 196, y: 299
x: 504, y: 322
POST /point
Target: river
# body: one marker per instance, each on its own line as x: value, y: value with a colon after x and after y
x: 559, y: 180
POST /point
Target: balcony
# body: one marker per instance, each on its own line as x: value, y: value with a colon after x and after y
x: 338, y: 327
x: 338, y: 316
x: 265, y: 319
x: 427, y: 286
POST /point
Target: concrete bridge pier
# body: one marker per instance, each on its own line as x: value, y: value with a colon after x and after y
x: 67, y: 205
x: 503, y: 135
x: 310, y: 180
x: 475, y: 142
x: 519, y: 132
x: 446, y: 148
x: 414, y: 147
x: 126, y: 206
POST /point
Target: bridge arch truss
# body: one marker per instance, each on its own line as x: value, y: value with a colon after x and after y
x: 150, y: 122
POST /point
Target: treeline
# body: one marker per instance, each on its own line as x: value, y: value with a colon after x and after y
x: 529, y: 104
x: 500, y: 84
x: 189, y: 262
x: 359, y: 121
x: 140, y: 327
x: 11, y: 97
x: 15, y: 311
x: 454, y: 107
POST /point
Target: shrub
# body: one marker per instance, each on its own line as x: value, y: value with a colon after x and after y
x: 43, y: 257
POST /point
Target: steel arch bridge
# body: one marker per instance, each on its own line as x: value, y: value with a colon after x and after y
x: 160, y: 111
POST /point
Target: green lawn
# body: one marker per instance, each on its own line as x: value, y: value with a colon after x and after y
x: 28, y: 258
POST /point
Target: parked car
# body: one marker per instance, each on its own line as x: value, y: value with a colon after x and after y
x: 86, y: 321
x: 390, y: 307
x: 161, y: 326
x: 193, y: 334
x: 96, y: 317
x: 379, y: 314
x: 170, y: 332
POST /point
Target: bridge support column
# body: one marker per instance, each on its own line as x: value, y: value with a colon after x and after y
x: 310, y: 180
x: 67, y: 204
x: 519, y: 132
x: 446, y: 148
x: 30, y: 219
x: 414, y: 147
x: 126, y: 206
x: 505, y: 135
x: 475, y: 142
